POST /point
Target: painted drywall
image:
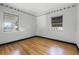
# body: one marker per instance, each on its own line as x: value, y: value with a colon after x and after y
x: 77, y: 32
x: 26, y: 26
x: 69, y: 26
x: 41, y: 26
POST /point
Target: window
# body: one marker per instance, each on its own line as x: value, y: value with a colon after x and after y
x: 57, y: 22
x: 11, y: 22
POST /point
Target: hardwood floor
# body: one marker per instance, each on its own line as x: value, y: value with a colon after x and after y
x: 38, y: 46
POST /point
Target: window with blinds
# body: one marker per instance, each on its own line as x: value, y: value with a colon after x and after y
x: 57, y: 21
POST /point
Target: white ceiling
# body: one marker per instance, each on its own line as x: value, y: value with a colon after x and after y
x: 37, y: 8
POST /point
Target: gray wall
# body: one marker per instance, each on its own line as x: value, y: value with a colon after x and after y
x: 26, y: 22
x: 42, y: 26
x: 77, y: 25
x: 69, y: 26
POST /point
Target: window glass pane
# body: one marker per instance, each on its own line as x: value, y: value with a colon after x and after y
x: 57, y: 21
x: 10, y: 22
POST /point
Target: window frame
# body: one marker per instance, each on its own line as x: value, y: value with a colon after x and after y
x: 57, y: 28
x: 4, y: 21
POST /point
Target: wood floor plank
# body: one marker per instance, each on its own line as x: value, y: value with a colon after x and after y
x: 38, y: 46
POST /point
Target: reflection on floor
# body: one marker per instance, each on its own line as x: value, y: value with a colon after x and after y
x: 38, y: 46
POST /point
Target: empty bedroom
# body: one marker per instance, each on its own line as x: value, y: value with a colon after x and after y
x: 39, y: 28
